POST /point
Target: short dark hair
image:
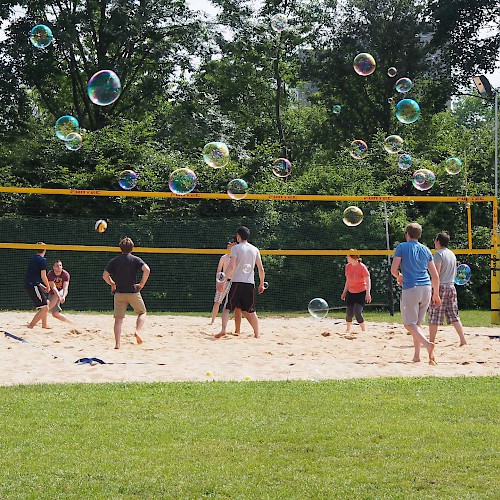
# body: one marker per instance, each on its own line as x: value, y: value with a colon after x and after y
x: 244, y: 232
x: 414, y: 230
x: 232, y: 240
x: 40, y: 250
x: 56, y: 261
x: 443, y: 238
x: 126, y: 245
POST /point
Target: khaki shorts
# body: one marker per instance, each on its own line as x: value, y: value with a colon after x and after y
x: 414, y: 304
x: 122, y: 300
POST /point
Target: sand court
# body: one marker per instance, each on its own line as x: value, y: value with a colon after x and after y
x: 182, y: 348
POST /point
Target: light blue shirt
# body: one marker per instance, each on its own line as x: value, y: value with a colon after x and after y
x: 415, y: 259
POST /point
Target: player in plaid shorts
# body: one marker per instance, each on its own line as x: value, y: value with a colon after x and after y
x: 446, y: 265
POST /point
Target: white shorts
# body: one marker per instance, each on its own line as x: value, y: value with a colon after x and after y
x: 414, y: 304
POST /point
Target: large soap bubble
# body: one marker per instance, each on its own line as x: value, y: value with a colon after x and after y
x: 404, y: 161
x: 279, y: 22
x: 216, y: 154
x: 393, y: 144
x: 353, y: 216
x: 423, y: 179
x: 127, y: 179
x: 73, y: 141
x: 463, y: 274
x: 358, y: 149
x: 66, y: 125
x: 404, y: 85
x: 237, y: 189
x: 318, y: 308
x: 364, y: 64
x: 282, y: 167
x: 41, y: 36
x: 182, y: 181
x: 104, y: 88
x: 453, y: 165
x: 407, y: 111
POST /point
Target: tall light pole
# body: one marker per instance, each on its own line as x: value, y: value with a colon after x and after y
x: 485, y: 90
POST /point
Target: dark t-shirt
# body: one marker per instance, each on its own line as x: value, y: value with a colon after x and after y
x: 58, y: 280
x: 36, y: 265
x: 123, y: 269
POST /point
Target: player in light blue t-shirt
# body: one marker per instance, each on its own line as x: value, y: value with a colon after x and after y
x: 416, y: 264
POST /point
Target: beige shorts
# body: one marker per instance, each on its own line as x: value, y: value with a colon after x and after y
x: 122, y: 300
x: 414, y: 304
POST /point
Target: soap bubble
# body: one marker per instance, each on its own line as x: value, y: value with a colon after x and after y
x: 220, y: 277
x: 73, y: 141
x: 407, y: 111
x: 393, y: 144
x: 358, y: 149
x: 318, y: 308
x: 237, y: 189
x: 404, y: 161
x: 101, y: 225
x: 282, y: 167
x: 353, y: 216
x: 392, y: 72
x: 337, y: 109
x: 463, y: 274
x: 104, y: 87
x: 265, y: 285
x: 279, y: 22
x: 216, y: 154
x: 182, y: 181
x: 453, y: 165
x: 127, y: 179
x: 41, y: 36
x: 404, y: 85
x: 66, y: 125
x: 423, y: 179
x: 364, y: 64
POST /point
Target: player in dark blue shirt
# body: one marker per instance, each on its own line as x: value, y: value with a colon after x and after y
x: 37, y: 285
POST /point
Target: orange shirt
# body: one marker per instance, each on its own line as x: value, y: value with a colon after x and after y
x: 356, y: 277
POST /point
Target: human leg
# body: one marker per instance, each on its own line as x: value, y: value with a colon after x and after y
x: 225, y: 320
x: 358, y: 312
x: 117, y: 329
x: 215, y: 311
x: 237, y: 321
x: 459, y: 328
x: 41, y: 315
x: 349, y: 314
x: 252, y: 318
x: 135, y: 300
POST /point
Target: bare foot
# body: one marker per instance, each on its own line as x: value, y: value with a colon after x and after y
x: 117, y: 347
x: 47, y: 327
x: 430, y: 350
x: 219, y: 335
x: 30, y: 326
x: 138, y: 339
x: 235, y: 334
x: 256, y: 335
x: 462, y: 343
x: 416, y: 360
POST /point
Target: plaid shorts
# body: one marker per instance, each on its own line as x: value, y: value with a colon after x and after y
x: 448, y: 307
x: 220, y: 296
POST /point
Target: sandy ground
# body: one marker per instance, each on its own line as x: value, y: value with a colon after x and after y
x: 183, y: 349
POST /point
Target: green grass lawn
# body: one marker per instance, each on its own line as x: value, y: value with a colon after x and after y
x: 359, y: 439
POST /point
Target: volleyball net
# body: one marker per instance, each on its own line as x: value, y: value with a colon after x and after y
x: 303, y: 247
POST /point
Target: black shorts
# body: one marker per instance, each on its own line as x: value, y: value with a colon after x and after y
x: 241, y: 296
x: 355, y: 298
x: 37, y: 295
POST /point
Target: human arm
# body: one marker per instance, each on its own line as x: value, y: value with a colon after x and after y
x: 45, y: 280
x: 109, y: 280
x: 64, y: 291
x: 262, y: 273
x: 431, y: 267
x: 344, y: 292
x: 396, y: 261
x: 368, y: 296
x: 146, y: 270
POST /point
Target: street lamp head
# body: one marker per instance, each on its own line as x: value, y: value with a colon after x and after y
x: 483, y: 86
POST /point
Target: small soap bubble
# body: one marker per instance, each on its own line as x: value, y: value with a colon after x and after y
x: 463, y: 274
x: 265, y: 285
x: 358, y: 149
x: 393, y: 144
x: 404, y: 85
x: 407, y: 111
x: 216, y: 154
x: 66, y: 125
x: 423, y: 179
x: 318, y: 308
x: 453, y: 165
x: 353, y: 216
x: 392, y: 72
x: 127, y: 179
x: 101, y: 225
x: 279, y: 22
x: 220, y: 277
x: 337, y: 109
x: 364, y: 64
x: 282, y: 167
x: 237, y: 189
x: 41, y: 36
x: 73, y: 141
x: 404, y: 161
x: 104, y: 88
x: 182, y: 181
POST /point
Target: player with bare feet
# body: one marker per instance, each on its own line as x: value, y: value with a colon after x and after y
x: 241, y: 270
x: 37, y: 285
x: 446, y: 265
x: 121, y: 274
x: 416, y: 263
x: 58, y: 290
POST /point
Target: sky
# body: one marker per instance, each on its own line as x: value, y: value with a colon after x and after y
x: 205, y: 5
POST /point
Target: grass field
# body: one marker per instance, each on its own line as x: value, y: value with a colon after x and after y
x: 357, y: 439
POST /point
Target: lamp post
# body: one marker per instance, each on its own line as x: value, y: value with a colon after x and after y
x: 485, y: 90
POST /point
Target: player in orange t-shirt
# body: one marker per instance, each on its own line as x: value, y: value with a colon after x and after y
x: 356, y: 290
